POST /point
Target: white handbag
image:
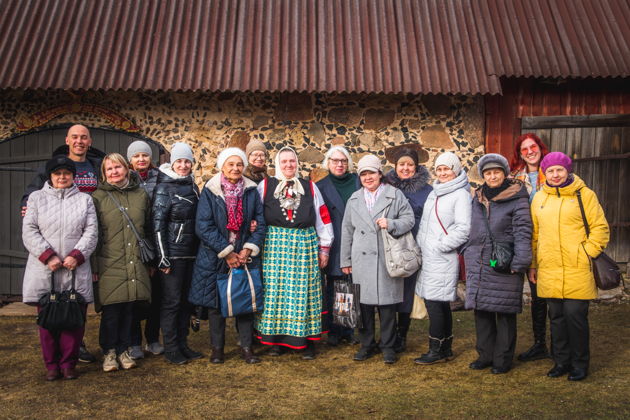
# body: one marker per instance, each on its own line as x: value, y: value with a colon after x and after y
x: 402, y: 255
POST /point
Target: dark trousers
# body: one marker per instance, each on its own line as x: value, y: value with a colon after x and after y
x: 440, y: 318
x: 60, y: 349
x: 387, y: 316
x: 151, y: 313
x: 115, y: 331
x: 175, y: 310
x: 329, y: 301
x: 539, y: 315
x: 496, y: 337
x: 569, y: 332
x: 244, y: 327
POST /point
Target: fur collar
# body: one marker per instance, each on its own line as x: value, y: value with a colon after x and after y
x: 411, y: 185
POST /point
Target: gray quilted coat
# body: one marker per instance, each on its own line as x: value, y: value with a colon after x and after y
x: 362, y: 243
x: 510, y: 221
x: 63, y: 220
x: 440, y: 265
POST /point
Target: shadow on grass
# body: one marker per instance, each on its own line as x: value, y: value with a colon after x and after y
x: 332, y: 386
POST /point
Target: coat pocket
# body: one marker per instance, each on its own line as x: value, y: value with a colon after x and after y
x: 583, y: 259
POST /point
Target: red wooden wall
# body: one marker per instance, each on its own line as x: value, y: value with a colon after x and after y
x: 530, y: 97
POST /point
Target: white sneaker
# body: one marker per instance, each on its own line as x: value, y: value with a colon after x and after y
x: 154, y: 348
x: 109, y: 362
x: 126, y: 362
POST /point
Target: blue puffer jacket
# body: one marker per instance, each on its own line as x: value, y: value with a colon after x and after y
x: 210, y: 227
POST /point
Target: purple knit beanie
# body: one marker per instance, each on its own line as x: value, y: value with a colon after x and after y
x: 556, y: 158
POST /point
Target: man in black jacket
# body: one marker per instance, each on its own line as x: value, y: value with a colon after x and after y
x: 88, y: 163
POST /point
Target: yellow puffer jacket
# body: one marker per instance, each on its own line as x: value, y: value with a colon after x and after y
x: 560, y: 247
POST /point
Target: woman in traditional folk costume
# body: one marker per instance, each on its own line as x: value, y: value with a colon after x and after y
x: 297, y: 244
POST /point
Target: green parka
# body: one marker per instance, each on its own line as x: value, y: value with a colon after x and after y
x: 122, y: 275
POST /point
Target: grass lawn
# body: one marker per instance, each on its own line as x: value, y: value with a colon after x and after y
x: 332, y: 386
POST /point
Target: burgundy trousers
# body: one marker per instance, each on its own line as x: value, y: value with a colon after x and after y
x: 60, y: 349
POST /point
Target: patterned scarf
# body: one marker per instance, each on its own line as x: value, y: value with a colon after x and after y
x: 371, y: 197
x: 233, y: 202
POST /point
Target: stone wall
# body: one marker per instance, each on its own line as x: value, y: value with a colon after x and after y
x: 363, y: 123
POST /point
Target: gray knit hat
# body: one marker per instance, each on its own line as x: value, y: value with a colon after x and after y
x: 139, y: 146
x: 181, y: 151
x: 493, y: 160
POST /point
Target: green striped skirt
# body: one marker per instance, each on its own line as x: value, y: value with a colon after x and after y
x: 292, y: 283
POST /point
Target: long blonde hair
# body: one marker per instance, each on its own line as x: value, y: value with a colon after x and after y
x: 117, y: 158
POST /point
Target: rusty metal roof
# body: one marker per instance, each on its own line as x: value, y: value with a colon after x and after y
x: 389, y: 46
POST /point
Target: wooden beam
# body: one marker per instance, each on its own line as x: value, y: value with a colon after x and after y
x: 567, y: 121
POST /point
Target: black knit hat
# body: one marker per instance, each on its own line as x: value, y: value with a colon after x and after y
x: 60, y: 162
x: 408, y: 152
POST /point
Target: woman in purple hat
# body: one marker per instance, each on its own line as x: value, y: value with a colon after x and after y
x: 561, y: 265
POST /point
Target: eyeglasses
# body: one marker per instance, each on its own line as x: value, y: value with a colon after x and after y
x: 533, y: 148
x: 257, y: 155
x: 336, y: 162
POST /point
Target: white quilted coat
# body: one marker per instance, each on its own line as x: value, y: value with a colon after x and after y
x: 64, y: 220
x: 440, y: 266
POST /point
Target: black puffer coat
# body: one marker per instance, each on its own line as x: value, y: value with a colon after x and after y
x: 150, y: 183
x: 174, y: 208
x: 510, y: 221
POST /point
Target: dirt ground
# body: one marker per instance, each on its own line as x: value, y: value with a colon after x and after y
x: 332, y: 386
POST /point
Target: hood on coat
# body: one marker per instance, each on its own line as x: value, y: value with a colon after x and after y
x: 134, y: 182
x: 60, y: 193
x: 214, y: 185
x: 92, y: 153
x: 516, y: 190
x: 460, y: 181
x: 410, y: 185
x: 570, y: 189
x: 171, y: 175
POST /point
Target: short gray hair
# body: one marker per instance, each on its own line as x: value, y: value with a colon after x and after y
x: 340, y: 149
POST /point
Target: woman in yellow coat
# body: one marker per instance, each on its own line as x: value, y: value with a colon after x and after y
x: 561, y: 265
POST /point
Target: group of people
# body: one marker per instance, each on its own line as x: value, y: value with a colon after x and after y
x: 524, y: 220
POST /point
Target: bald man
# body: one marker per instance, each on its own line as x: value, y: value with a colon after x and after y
x: 87, y: 160
x: 88, y: 163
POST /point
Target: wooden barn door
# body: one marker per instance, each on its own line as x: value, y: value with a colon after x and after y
x: 600, y: 149
x: 19, y: 158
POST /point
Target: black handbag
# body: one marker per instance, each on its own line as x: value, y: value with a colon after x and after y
x: 147, y: 251
x: 347, y: 304
x: 61, y: 311
x: 502, y: 252
x: 605, y: 270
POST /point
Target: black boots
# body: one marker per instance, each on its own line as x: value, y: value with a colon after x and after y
x: 402, y: 327
x: 447, y: 348
x: 436, y: 352
x: 539, y: 325
x: 536, y: 352
x: 309, y: 352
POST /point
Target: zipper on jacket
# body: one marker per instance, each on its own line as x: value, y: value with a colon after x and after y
x: 179, y: 233
x: 183, y: 198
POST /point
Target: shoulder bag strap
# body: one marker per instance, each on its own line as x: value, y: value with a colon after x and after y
x: 438, y: 216
x: 486, y: 221
x: 52, y: 282
x: 122, y: 210
x: 586, y: 226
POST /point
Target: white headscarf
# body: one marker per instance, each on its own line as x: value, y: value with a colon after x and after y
x: 297, y: 186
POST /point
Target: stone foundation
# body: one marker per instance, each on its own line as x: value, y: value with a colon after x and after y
x: 310, y: 123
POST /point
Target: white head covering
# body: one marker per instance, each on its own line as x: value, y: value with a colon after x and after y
x: 450, y: 160
x: 228, y: 153
x: 297, y: 186
x: 369, y: 163
x: 340, y: 149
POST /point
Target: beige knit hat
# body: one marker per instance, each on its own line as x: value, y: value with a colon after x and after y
x: 254, y: 145
x: 369, y: 163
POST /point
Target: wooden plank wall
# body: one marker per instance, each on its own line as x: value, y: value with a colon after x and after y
x: 530, y: 97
